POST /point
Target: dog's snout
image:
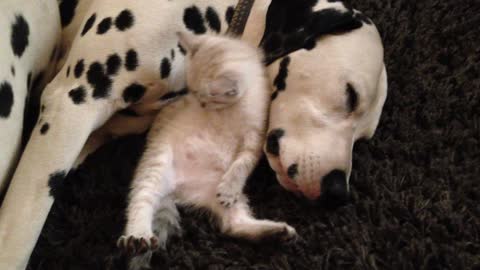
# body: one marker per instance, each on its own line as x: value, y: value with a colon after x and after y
x: 334, y: 190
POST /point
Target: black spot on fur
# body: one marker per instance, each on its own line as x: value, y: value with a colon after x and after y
x: 174, y: 94
x: 193, y: 20
x: 352, y: 98
x: 124, y: 20
x: 100, y: 82
x: 131, y: 60
x: 44, y: 128
x: 229, y: 14
x: 182, y: 92
x: 19, y: 35
x: 165, y: 68
x: 68, y: 71
x: 128, y: 112
x: 113, y: 64
x: 172, y: 54
x: 55, y: 182
x: 273, y: 145
x: 133, y: 93
x: 67, y: 11
x: 292, y: 170
x: 78, y: 95
x: 38, y: 79
x: 104, y: 26
x: 182, y: 50
x: 78, y: 70
x: 280, y: 79
x: 6, y: 99
x: 89, y: 24
x: 274, y: 95
x: 42, y: 108
x: 12, y: 69
x: 29, y: 80
x: 213, y: 20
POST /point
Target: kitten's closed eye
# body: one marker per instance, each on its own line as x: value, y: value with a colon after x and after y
x: 231, y: 93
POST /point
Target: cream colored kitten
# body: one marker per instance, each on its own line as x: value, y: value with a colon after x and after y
x: 202, y: 148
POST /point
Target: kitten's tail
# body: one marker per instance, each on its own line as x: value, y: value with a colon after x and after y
x: 166, y: 223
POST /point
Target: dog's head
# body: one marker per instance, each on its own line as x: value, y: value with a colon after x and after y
x: 323, y: 100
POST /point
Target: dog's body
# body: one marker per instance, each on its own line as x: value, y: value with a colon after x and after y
x: 28, y: 53
x: 122, y: 54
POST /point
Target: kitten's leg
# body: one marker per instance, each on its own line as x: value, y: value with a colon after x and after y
x: 237, y: 221
x: 151, y: 186
x: 231, y: 186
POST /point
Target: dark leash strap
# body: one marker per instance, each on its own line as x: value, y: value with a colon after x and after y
x: 240, y: 17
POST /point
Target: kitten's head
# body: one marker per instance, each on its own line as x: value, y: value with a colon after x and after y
x: 219, y: 69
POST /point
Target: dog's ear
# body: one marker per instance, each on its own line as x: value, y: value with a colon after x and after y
x: 190, y: 42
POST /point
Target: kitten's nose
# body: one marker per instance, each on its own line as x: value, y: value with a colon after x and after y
x: 214, y: 93
x: 334, y: 188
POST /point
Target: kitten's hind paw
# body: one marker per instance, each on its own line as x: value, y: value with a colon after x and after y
x: 284, y: 233
x: 133, y: 246
x: 227, y: 195
x: 287, y: 234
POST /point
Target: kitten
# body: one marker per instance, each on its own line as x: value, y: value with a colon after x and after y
x: 201, y: 149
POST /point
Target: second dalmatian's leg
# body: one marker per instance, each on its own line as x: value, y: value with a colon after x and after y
x: 119, y: 125
x: 55, y: 143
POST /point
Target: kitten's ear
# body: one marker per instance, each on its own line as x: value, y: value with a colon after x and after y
x: 189, y: 41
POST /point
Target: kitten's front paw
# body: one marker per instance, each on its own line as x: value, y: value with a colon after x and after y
x: 133, y: 246
x: 227, y: 195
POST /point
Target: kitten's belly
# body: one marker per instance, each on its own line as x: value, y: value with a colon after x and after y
x: 201, y: 158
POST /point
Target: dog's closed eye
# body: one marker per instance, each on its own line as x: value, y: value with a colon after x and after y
x: 352, y: 98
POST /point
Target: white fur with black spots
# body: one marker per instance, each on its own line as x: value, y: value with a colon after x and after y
x: 28, y: 53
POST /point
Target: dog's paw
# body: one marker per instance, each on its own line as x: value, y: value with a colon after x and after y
x: 134, y: 246
x: 227, y: 195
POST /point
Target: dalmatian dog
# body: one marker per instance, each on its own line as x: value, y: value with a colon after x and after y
x: 324, y: 100
x: 123, y: 63
x: 28, y: 54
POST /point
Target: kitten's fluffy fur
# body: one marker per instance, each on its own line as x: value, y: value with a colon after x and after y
x: 202, y: 148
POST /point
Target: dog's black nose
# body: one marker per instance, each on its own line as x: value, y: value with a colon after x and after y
x: 334, y: 189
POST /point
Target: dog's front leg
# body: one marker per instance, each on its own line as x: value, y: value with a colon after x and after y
x: 56, y: 141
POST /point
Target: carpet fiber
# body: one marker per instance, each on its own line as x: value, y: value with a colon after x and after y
x: 415, y: 187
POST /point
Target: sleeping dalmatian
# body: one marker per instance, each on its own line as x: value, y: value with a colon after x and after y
x: 324, y: 100
x: 123, y: 63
